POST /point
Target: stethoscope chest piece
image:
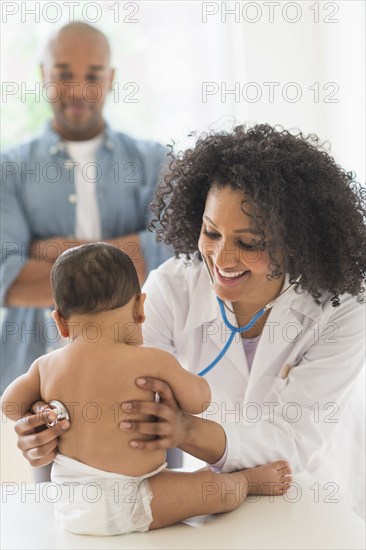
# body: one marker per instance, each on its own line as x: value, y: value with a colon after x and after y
x: 61, y: 411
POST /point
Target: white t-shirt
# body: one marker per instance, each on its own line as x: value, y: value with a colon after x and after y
x: 87, y: 219
x: 87, y: 223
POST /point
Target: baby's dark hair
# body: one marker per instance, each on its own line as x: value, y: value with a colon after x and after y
x: 93, y: 278
x: 304, y: 204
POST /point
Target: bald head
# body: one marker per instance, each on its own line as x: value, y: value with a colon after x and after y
x: 76, y: 68
x: 78, y: 32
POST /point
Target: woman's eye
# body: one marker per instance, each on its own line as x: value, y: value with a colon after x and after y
x: 210, y: 235
x: 248, y: 246
x: 254, y: 246
x: 244, y: 246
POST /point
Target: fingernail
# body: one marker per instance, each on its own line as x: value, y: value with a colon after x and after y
x: 126, y: 425
x: 51, y: 417
x: 134, y: 444
x: 141, y: 381
x: 127, y: 406
x: 64, y: 426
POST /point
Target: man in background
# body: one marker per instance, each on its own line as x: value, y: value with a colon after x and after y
x: 78, y: 181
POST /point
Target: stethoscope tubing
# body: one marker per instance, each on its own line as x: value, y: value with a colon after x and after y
x: 235, y: 330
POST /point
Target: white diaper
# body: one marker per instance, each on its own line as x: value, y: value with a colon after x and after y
x: 96, y: 502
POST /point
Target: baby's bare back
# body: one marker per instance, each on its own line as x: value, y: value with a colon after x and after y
x: 92, y: 380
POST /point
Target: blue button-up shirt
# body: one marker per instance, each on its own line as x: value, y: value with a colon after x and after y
x: 38, y: 201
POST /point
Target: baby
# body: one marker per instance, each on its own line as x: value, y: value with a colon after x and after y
x: 105, y: 486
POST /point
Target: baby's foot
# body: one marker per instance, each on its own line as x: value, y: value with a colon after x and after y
x: 273, y: 478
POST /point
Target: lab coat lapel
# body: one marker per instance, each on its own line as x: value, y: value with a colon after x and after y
x: 272, y: 344
x: 291, y: 309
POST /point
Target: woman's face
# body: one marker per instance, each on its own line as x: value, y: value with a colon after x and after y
x: 229, y: 244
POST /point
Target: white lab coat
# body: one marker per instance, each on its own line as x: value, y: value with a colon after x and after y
x: 314, y: 417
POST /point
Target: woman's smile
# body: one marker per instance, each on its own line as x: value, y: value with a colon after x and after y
x: 232, y: 278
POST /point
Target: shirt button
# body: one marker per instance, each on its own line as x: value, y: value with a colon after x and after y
x: 72, y: 198
x: 60, y: 146
x: 48, y: 314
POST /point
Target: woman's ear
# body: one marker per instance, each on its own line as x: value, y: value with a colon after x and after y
x: 61, y: 323
x: 138, y: 308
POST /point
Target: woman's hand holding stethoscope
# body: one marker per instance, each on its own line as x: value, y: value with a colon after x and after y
x: 37, y: 443
x: 170, y: 428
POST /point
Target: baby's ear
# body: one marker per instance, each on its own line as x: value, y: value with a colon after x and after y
x: 138, y: 308
x: 61, y: 323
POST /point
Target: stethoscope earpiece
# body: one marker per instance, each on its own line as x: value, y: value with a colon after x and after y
x: 208, y: 270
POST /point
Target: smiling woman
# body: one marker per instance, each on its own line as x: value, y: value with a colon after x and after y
x: 276, y: 220
x: 280, y: 193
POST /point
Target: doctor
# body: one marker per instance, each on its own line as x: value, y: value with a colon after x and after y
x: 266, y: 208
x: 277, y: 222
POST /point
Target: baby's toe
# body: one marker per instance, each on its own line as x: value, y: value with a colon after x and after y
x: 280, y: 465
x: 286, y: 474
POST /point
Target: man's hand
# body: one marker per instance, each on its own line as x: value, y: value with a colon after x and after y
x: 50, y: 249
x: 130, y: 244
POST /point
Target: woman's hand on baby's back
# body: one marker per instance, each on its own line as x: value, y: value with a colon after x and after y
x: 37, y: 442
x: 170, y: 425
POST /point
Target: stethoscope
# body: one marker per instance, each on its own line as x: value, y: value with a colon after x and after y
x: 235, y: 330
x: 61, y: 413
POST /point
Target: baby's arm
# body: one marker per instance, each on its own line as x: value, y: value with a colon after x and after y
x: 22, y: 393
x: 191, y: 391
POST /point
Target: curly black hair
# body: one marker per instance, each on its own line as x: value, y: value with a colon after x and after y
x: 312, y: 209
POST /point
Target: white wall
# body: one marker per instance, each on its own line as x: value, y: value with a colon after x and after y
x: 306, y: 52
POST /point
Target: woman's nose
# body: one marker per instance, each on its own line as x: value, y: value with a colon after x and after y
x: 227, y: 255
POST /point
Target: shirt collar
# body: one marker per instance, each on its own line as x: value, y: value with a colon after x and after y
x: 55, y: 143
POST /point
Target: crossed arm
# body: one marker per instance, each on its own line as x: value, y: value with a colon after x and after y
x: 32, y: 288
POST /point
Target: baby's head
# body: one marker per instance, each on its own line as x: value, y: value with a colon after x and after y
x: 93, y: 278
